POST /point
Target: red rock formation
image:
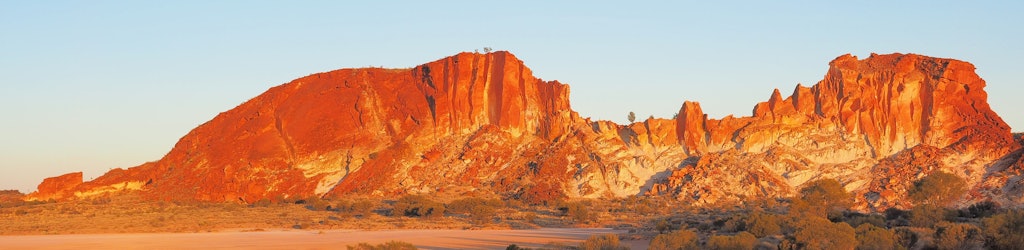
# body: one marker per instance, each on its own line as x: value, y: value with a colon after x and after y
x: 894, y: 101
x: 305, y: 136
x: 58, y: 187
x: 484, y: 121
x: 691, y: 127
x: 863, y: 113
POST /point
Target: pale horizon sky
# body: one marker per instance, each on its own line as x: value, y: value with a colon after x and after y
x: 95, y: 85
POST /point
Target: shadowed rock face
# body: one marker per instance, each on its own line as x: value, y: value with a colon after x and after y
x: 483, y: 121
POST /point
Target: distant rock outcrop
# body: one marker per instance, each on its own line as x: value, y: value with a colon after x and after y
x: 484, y: 122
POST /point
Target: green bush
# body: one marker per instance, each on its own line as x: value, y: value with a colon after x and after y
x: 872, y: 237
x: 958, y: 236
x: 390, y: 245
x: 682, y: 239
x: 1004, y: 230
x: 740, y: 241
x: 418, y: 206
x: 939, y: 188
x: 602, y: 242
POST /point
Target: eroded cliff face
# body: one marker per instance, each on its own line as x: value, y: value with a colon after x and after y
x: 484, y: 122
x: 876, y: 124
x: 474, y: 120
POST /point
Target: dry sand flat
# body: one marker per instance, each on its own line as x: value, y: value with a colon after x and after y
x: 301, y: 239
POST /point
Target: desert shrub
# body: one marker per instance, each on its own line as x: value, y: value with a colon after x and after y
x: 418, y: 206
x: 763, y: 224
x: 894, y: 213
x: 958, y: 236
x: 1004, y: 230
x: 663, y: 225
x: 682, y: 239
x: 315, y: 203
x: 740, y: 241
x: 906, y: 238
x: 390, y: 245
x: 578, y: 211
x: 360, y: 207
x: 823, y: 198
x: 264, y: 202
x: 819, y: 233
x: 980, y: 210
x: 927, y: 215
x: 733, y: 224
x: 857, y: 219
x: 641, y: 204
x: 939, y: 188
x: 516, y: 247
x: 529, y: 216
x: 872, y: 237
x: 466, y: 205
x: 602, y: 242
x: 479, y: 209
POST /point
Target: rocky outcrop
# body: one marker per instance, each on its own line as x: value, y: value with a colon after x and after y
x: 470, y: 119
x: 894, y: 102
x: 869, y: 123
x: 484, y: 122
x: 58, y: 187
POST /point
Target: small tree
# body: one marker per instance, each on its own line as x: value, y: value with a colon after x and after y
x: 487, y: 50
x: 824, y: 196
x: 631, y: 116
x: 939, y: 188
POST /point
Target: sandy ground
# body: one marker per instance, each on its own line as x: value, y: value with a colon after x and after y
x: 300, y: 239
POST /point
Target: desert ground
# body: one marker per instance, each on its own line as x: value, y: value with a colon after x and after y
x: 312, y: 239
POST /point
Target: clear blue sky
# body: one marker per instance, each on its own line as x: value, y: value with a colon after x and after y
x: 93, y: 85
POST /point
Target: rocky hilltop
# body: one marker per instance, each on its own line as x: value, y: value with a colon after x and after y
x: 484, y: 122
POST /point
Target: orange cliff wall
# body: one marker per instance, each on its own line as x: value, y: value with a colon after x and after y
x: 305, y: 136
x: 483, y: 121
x: 893, y: 102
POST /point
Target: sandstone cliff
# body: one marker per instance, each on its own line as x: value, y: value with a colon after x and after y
x: 483, y: 121
x: 873, y: 124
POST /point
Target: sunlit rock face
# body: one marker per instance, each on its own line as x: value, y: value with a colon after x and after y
x: 484, y: 122
x: 876, y: 124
